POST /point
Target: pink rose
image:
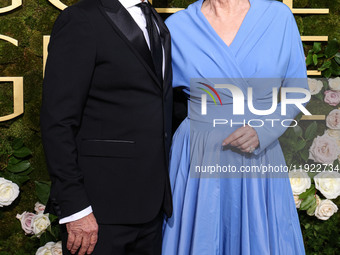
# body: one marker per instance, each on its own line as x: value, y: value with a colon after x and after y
x: 333, y: 119
x: 332, y: 97
x: 26, y: 221
x: 39, y: 208
x: 324, y: 150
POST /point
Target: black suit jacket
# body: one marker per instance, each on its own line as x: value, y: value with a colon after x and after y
x: 106, y: 118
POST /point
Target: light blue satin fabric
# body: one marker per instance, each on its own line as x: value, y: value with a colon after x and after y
x: 231, y: 216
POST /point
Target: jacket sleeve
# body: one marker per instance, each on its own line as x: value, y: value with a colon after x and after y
x: 69, y: 68
x: 295, y: 77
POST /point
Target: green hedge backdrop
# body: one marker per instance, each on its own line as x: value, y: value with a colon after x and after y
x: 28, y: 24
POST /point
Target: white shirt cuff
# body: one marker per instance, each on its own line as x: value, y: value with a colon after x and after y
x: 76, y: 216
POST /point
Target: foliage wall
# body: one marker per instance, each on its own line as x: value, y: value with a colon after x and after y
x: 28, y: 24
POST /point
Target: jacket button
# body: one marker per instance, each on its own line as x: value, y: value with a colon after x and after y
x: 165, y: 134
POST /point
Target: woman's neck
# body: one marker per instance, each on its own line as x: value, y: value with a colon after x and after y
x: 223, y: 7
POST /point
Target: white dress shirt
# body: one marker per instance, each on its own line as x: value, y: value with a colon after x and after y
x: 138, y: 16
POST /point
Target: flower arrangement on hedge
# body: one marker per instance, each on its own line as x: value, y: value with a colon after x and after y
x: 327, y: 183
x: 14, y: 171
x: 324, y: 153
x: 312, y: 149
x: 40, y: 225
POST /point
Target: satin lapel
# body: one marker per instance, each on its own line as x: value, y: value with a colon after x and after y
x: 166, y: 42
x: 128, y: 30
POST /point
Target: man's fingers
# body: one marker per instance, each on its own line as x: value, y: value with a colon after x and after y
x: 70, y: 240
x: 76, y: 244
x: 93, y: 242
x: 82, y: 235
x: 84, y: 244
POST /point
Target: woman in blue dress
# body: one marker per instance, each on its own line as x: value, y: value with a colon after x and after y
x: 255, y: 44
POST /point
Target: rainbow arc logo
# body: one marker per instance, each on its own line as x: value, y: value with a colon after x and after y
x: 209, y: 93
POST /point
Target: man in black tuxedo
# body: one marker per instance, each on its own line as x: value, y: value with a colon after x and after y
x: 106, y: 126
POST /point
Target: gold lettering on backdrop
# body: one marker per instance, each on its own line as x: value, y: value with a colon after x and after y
x: 18, y: 97
x: 15, y: 4
x: 18, y: 85
x: 46, y: 40
x: 289, y: 3
x: 9, y: 39
x: 58, y: 4
x: 313, y: 117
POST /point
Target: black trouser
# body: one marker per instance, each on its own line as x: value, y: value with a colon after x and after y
x: 134, y: 239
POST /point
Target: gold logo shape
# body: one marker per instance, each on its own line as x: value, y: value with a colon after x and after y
x: 18, y: 97
x: 46, y: 41
x: 58, y: 4
x: 15, y: 4
x: 18, y: 87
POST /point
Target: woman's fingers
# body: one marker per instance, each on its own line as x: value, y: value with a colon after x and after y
x: 234, y: 136
x: 244, y: 138
x: 249, y: 145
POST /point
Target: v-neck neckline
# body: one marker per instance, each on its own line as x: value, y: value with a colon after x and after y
x: 239, y: 31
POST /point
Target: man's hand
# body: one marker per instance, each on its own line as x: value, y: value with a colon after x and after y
x: 83, y: 234
x: 244, y: 138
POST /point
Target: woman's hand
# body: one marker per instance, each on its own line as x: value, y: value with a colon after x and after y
x: 244, y: 138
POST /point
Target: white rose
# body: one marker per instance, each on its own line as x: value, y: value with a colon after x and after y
x: 315, y: 86
x: 325, y: 209
x: 333, y: 119
x: 300, y: 181
x: 46, y: 249
x: 39, y: 208
x: 324, y: 150
x: 328, y: 183
x: 57, y: 249
x: 334, y: 84
x: 9, y: 191
x: 297, y: 201
x: 333, y: 133
x: 40, y: 223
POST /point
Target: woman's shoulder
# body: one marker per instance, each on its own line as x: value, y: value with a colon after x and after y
x: 281, y: 9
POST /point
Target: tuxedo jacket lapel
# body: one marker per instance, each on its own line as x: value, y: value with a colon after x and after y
x: 122, y: 22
